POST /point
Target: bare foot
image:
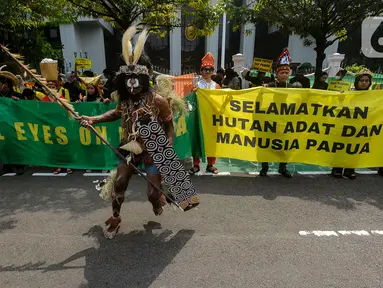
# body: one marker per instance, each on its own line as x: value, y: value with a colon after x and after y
x: 157, y: 205
x: 114, y: 226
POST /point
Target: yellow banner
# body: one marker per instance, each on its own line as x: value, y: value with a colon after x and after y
x: 83, y: 63
x: 263, y: 65
x: 294, y: 125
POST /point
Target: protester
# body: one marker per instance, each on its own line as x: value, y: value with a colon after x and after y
x: 207, y: 69
x: 231, y: 80
x: 340, y: 74
x: 219, y: 76
x: 29, y: 94
x: 20, y: 84
x: 362, y: 82
x: 283, y: 73
x: 73, y: 87
x: 58, y: 85
x: 93, y: 94
x: 322, y: 84
x: 301, y: 78
x: 259, y: 80
x: 8, y: 82
x: 108, y: 85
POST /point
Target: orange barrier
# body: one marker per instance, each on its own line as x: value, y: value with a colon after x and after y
x: 183, y: 84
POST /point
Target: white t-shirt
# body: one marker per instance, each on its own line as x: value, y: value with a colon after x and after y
x: 203, y: 84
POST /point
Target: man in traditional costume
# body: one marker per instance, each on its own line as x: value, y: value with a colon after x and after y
x: 283, y: 73
x: 207, y: 70
x: 139, y: 104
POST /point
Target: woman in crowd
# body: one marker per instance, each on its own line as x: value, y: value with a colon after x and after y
x: 93, y: 94
x: 362, y: 82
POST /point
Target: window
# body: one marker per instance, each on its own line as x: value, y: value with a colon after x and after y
x: 53, y: 33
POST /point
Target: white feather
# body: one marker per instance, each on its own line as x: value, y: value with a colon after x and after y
x: 127, y: 48
x: 140, y: 45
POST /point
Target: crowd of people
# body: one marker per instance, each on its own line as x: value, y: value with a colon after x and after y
x: 230, y: 79
x: 71, y: 87
x: 91, y: 88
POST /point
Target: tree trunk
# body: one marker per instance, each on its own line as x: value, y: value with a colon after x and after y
x: 319, y: 61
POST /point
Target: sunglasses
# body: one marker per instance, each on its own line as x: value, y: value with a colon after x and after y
x: 207, y: 70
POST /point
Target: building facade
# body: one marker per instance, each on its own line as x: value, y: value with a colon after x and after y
x: 177, y: 54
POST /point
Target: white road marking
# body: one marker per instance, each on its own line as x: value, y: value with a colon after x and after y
x: 343, y: 232
x: 361, y: 233
x: 314, y: 172
x: 9, y: 174
x: 96, y: 174
x: 49, y: 174
x: 305, y: 233
x: 268, y: 173
x: 320, y: 233
x: 324, y: 233
x: 212, y: 174
x: 366, y: 172
x: 219, y: 174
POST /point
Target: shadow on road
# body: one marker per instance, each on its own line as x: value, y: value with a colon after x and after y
x: 130, y: 260
x: 7, y: 225
x: 75, y: 194
x: 341, y: 193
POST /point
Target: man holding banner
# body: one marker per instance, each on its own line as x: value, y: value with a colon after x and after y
x: 283, y: 73
x: 207, y: 70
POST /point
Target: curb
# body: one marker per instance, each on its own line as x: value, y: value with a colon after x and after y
x: 220, y: 174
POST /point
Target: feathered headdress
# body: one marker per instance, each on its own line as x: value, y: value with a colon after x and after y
x: 51, y: 93
x: 132, y: 56
x: 284, y: 61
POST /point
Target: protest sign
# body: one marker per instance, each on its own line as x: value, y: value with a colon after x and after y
x: 263, y: 65
x: 338, y: 85
x: 293, y: 125
x: 83, y: 63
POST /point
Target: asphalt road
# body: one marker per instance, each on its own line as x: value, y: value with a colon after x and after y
x: 247, y: 232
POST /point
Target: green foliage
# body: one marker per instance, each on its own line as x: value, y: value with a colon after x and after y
x: 323, y: 20
x: 354, y: 68
x: 22, y: 24
x: 36, y: 13
x: 34, y: 47
x: 160, y: 15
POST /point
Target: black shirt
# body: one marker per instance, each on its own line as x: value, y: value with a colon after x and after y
x: 320, y: 85
x: 277, y: 84
x: 303, y: 80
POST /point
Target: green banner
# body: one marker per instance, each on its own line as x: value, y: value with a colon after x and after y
x: 41, y: 133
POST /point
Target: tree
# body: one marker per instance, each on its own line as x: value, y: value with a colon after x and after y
x: 327, y: 21
x: 159, y: 15
x: 22, y: 25
x: 33, y: 14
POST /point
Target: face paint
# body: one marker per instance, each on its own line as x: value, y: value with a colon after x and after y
x: 133, y: 85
